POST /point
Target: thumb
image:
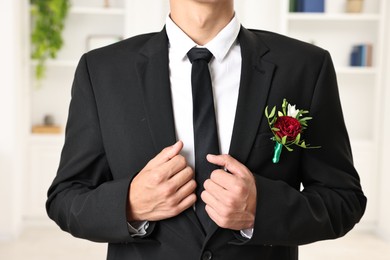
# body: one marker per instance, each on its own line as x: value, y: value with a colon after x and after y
x: 166, y: 154
x: 173, y: 150
x: 228, y: 163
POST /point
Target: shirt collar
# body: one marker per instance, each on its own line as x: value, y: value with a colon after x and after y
x: 219, y: 46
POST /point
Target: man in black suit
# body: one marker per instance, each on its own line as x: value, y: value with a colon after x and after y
x: 124, y: 178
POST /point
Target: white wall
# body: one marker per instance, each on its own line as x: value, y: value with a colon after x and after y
x: 140, y: 12
x: 10, y: 112
x: 266, y: 17
x: 384, y: 184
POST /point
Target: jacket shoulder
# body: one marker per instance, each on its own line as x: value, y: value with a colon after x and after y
x: 276, y: 40
x: 132, y: 44
x: 281, y: 47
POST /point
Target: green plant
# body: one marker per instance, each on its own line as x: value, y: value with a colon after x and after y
x: 46, y: 37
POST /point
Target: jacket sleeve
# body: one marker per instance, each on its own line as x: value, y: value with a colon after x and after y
x: 331, y: 201
x: 83, y: 199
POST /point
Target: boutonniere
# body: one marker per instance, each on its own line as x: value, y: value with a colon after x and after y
x: 287, y: 127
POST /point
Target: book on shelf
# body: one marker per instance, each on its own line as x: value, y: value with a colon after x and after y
x: 361, y: 55
x: 307, y: 6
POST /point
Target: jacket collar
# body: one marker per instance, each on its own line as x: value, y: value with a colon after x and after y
x: 153, y: 73
x: 256, y: 78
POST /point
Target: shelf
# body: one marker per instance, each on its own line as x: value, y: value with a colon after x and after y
x: 336, y: 17
x: 97, y: 10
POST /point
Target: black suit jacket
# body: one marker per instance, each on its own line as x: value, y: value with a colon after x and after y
x: 121, y: 116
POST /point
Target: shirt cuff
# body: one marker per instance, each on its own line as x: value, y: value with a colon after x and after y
x: 138, y: 228
x: 247, y: 233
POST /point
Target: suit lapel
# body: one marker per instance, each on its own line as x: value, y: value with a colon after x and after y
x: 256, y: 77
x: 153, y: 72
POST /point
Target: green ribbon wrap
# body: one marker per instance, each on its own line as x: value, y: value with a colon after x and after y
x: 277, y: 152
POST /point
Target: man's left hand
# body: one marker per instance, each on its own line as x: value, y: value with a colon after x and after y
x: 230, y: 195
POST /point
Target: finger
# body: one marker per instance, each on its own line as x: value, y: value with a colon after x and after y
x: 217, y: 190
x: 212, y: 208
x: 210, y: 201
x: 213, y: 214
x: 173, y: 166
x: 223, y: 179
x: 187, y: 202
x: 229, y: 163
x: 166, y: 154
x: 182, y: 199
x: 182, y: 177
x: 186, y: 190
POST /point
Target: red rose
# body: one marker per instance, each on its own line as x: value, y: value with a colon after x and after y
x: 288, y: 126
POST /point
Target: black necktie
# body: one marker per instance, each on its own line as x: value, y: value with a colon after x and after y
x: 205, y: 127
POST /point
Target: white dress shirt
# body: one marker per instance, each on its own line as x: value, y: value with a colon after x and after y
x: 225, y: 71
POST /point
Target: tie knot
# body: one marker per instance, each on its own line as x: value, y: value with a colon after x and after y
x: 199, y: 54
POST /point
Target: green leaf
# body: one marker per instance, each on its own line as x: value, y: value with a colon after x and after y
x: 289, y: 149
x: 48, y: 20
x: 298, y: 138
x: 272, y: 114
x: 284, y: 139
x: 275, y: 129
x: 266, y: 112
x: 280, y: 113
x: 305, y: 118
x: 284, y: 106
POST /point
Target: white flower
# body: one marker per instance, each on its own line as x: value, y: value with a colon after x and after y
x: 292, y: 111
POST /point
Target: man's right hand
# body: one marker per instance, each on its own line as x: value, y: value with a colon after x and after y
x: 163, y: 189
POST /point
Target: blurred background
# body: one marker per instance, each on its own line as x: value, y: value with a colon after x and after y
x: 40, y: 51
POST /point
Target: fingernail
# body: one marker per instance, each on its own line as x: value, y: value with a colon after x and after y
x: 176, y: 144
x: 210, y: 156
